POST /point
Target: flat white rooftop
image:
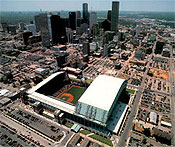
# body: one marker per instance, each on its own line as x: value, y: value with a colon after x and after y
x: 102, y: 92
x: 3, y: 92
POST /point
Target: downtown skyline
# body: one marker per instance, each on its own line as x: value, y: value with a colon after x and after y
x: 97, y: 5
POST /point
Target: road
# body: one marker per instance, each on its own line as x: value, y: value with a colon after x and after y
x: 125, y: 134
x: 172, y: 90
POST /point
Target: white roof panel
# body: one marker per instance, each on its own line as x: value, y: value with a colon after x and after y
x: 53, y: 102
x: 102, y: 92
x: 153, y: 117
x: 3, y: 92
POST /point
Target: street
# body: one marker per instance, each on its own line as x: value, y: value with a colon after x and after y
x: 172, y: 90
x: 125, y: 134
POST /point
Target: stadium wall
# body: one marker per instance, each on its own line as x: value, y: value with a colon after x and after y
x: 117, y: 97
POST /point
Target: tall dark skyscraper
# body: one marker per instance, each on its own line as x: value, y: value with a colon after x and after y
x: 43, y: 25
x: 159, y: 47
x: 114, y: 16
x: 109, y: 15
x: 37, y: 22
x: 85, y: 12
x: 78, y: 18
x: 25, y: 37
x: 72, y: 20
x: 58, y: 29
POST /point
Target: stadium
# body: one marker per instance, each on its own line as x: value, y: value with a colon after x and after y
x: 98, y: 106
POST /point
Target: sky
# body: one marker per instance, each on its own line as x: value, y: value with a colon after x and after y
x: 94, y: 5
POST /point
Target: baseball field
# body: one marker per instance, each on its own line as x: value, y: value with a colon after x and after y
x: 72, y: 94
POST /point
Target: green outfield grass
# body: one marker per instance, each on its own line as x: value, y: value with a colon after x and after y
x: 75, y: 91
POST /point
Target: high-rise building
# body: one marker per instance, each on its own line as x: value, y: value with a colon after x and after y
x: 3, y: 26
x: 72, y: 20
x: 78, y: 14
x: 31, y: 28
x: 86, y: 48
x: 58, y: 29
x: 21, y: 26
x: 43, y: 25
x: 95, y: 29
x: 78, y: 18
x: 84, y: 27
x: 93, y: 19
x: 37, y: 22
x: 105, y: 50
x: 138, y: 29
x: 11, y: 29
x: 114, y: 16
x: 25, y: 37
x: 85, y: 13
x: 69, y: 34
x: 109, y: 15
x: 106, y: 25
x: 159, y: 47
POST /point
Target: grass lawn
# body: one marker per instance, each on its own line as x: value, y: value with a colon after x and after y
x: 75, y: 91
x: 85, y: 132
x: 102, y: 139
x: 130, y: 91
x: 69, y: 125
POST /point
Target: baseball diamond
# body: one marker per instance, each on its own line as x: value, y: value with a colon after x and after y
x: 72, y: 94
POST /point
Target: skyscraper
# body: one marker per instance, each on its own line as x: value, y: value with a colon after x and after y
x: 78, y: 14
x: 86, y: 48
x: 109, y: 15
x: 31, y: 28
x: 3, y: 26
x: 85, y: 13
x: 37, y: 22
x: 21, y: 26
x: 114, y: 16
x: 25, y: 37
x: 72, y: 20
x: 78, y: 18
x: 58, y: 29
x: 93, y: 19
x: 42, y: 24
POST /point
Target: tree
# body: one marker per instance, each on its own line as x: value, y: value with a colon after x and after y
x: 147, y: 132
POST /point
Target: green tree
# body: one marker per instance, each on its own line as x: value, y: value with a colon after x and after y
x: 147, y: 132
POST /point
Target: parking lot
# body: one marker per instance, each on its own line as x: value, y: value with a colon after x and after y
x: 156, y: 102
x: 9, y: 138
x: 156, y: 84
x: 163, y: 65
x: 44, y: 127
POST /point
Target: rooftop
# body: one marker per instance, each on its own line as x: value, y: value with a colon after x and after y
x: 102, y: 92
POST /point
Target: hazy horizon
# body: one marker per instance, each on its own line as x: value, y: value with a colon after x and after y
x: 97, y: 5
